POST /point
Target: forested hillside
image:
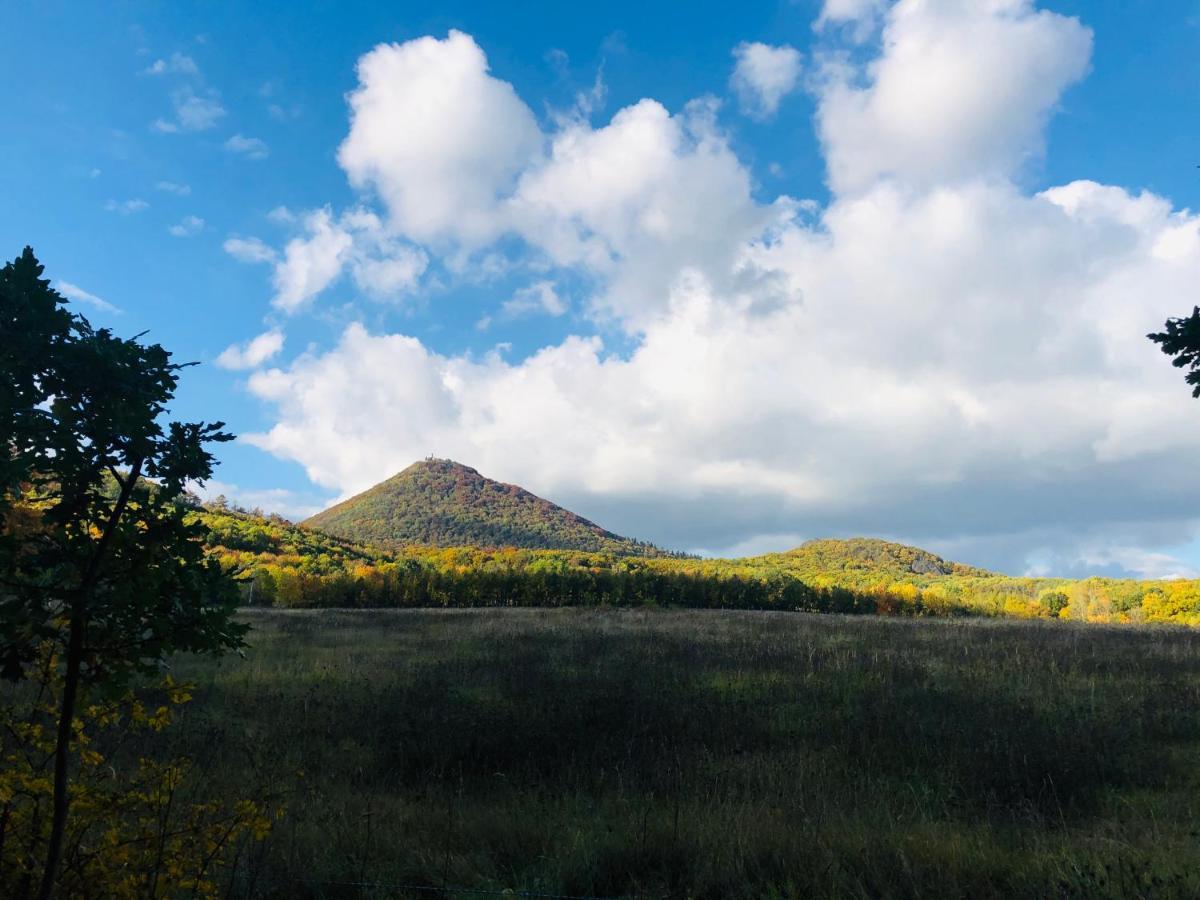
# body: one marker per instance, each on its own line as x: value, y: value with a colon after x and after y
x: 441, y: 503
x: 277, y: 563
x: 857, y: 556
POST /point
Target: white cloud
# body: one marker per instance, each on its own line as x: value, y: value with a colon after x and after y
x: 79, y: 295
x: 250, y: 250
x: 1142, y: 563
x: 937, y: 354
x: 188, y: 226
x: 436, y: 136
x: 379, y: 264
x: 249, y: 147
x: 541, y: 297
x: 394, y: 272
x: 593, y: 99
x: 127, y: 207
x: 961, y: 90
x: 293, y: 505
x: 636, y: 202
x: 459, y: 161
x: 172, y: 187
x: 193, y: 112
x: 175, y: 64
x: 862, y: 14
x: 763, y: 76
x: 311, y: 263
x: 253, y: 353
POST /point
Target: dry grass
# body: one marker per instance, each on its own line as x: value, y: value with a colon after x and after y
x: 711, y: 754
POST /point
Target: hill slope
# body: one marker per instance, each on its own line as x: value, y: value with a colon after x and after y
x: 278, y: 563
x: 869, y: 556
x: 441, y: 503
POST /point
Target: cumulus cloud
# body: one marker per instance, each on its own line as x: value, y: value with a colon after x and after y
x: 188, y: 226
x: 935, y: 355
x: 79, y: 295
x: 961, y: 90
x: 357, y: 241
x: 380, y: 265
x: 249, y: 147
x: 310, y: 263
x: 637, y: 201
x: 861, y: 14
x: 458, y: 161
x: 762, y: 76
x: 436, y: 136
x: 253, y: 353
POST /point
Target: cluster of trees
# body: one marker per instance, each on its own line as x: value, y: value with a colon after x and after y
x: 279, y: 564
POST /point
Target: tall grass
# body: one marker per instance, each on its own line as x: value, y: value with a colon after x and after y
x: 711, y: 754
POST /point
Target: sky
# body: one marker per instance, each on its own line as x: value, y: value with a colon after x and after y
x: 724, y: 277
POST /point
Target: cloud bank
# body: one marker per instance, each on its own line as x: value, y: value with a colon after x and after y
x: 937, y: 354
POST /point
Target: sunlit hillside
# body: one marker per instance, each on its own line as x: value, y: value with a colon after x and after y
x: 282, y: 564
x: 441, y: 503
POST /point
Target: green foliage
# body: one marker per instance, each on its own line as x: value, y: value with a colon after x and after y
x: 97, y: 560
x: 866, y: 556
x: 277, y: 563
x: 93, y: 537
x: 137, y: 829
x: 440, y: 503
x: 1181, y: 340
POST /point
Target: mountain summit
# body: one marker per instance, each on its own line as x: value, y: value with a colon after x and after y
x: 441, y: 503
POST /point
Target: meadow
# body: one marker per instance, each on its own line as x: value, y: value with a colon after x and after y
x: 706, y: 754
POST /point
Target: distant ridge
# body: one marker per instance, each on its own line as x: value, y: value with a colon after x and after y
x: 831, y: 556
x: 442, y: 503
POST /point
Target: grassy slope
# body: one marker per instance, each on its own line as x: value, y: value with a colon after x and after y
x: 441, y: 503
x: 712, y: 754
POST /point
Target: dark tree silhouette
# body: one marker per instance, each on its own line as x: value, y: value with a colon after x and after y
x: 1181, y: 340
x: 97, y: 563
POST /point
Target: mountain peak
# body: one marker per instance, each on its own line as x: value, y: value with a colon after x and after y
x: 437, y: 464
x: 443, y: 503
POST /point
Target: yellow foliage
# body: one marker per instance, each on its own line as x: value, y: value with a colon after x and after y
x: 130, y: 833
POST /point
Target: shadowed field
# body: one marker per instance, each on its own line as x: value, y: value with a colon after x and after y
x: 709, y: 754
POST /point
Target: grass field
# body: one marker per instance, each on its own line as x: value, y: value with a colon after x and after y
x: 709, y: 754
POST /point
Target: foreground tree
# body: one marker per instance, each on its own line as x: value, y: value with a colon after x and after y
x: 1181, y: 339
x: 97, y: 561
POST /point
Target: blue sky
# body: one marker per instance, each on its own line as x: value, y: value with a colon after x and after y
x: 586, y: 347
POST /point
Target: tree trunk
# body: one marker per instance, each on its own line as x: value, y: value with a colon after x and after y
x: 66, y: 717
x: 62, y: 754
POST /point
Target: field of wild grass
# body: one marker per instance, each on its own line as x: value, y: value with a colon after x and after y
x: 708, y: 754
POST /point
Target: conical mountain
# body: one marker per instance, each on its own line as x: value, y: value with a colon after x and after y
x: 441, y: 503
